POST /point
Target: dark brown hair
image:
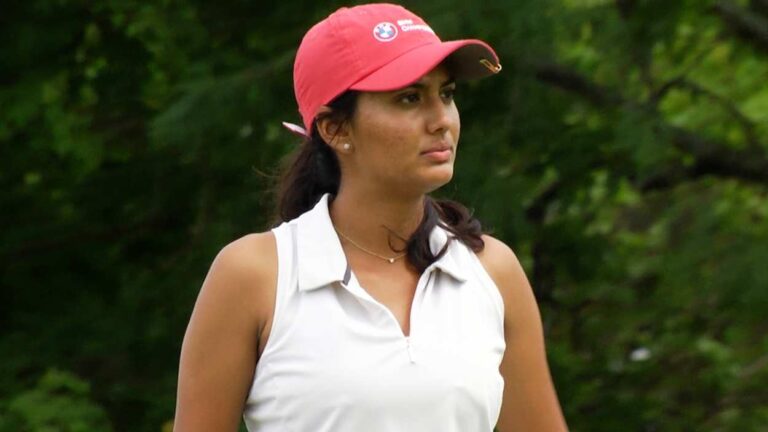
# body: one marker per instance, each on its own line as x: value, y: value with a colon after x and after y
x: 313, y: 170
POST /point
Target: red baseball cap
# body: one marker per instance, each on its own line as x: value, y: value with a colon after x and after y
x: 376, y: 47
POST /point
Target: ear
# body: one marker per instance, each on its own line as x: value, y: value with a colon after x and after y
x: 333, y: 132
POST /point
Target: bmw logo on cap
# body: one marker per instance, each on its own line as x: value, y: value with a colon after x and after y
x: 385, y: 32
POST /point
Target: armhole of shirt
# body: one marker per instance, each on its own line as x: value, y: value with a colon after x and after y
x: 285, y: 239
x: 487, y: 280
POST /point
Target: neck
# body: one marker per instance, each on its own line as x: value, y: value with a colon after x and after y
x: 376, y: 220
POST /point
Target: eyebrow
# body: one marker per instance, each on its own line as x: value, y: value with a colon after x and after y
x: 421, y: 85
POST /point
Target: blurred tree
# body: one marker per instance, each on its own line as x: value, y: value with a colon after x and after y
x: 58, y: 403
x: 622, y: 152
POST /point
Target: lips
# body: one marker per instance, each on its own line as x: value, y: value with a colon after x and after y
x: 437, y: 149
x: 439, y: 153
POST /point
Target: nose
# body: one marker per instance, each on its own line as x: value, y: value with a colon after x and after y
x: 441, y: 117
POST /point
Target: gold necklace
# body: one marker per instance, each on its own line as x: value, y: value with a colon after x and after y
x: 391, y: 260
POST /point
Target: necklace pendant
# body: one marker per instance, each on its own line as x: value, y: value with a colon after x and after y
x: 391, y: 260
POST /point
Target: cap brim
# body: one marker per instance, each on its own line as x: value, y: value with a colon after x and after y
x: 467, y: 59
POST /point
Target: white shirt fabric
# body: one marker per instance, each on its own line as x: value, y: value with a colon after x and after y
x: 338, y: 361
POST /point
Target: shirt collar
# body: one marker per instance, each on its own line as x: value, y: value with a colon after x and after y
x: 321, y: 259
x: 449, y: 262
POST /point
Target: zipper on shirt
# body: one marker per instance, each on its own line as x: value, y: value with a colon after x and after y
x: 419, y: 290
x: 409, y: 349
x: 420, y: 287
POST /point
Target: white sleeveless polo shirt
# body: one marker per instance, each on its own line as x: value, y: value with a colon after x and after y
x: 337, y: 360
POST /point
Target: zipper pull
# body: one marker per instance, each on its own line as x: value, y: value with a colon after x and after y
x: 409, y: 348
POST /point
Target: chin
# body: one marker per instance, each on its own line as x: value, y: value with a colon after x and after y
x: 438, y: 177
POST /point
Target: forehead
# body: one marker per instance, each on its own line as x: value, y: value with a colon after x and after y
x: 437, y: 77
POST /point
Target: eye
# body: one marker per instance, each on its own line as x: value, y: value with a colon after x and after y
x: 409, y: 98
x: 448, y: 93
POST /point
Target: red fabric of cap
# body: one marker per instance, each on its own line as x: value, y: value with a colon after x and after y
x: 377, y: 47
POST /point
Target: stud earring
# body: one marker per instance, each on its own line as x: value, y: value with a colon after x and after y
x: 346, y: 146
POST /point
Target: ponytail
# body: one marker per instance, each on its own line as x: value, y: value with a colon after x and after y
x: 313, y: 170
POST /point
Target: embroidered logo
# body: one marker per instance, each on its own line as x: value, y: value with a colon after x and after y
x: 407, y: 25
x: 385, y: 32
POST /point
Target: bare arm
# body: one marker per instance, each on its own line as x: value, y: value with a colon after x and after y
x: 219, y: 353
x: 529, y: 402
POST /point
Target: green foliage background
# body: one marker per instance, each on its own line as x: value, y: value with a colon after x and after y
x: 622, y: 152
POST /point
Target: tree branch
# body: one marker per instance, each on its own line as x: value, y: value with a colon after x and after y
x: 625, y: 7
x: 750, y: 27
x: 535, y: 211
x: 760, y: 7
x: 712, y: 158
x: 566, y: 79
x: 543, y: 272
x: 754, y: 367
x: 697, y: 89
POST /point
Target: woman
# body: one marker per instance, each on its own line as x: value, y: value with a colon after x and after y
x: 372, y: 306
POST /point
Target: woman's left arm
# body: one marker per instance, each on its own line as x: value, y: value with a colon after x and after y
x: 529, y: 401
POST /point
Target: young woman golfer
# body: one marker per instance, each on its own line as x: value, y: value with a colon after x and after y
x: 371, y: 307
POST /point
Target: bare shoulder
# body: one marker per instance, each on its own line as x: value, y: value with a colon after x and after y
x: 240, y: 285
x: 497, y: 258
x: 249, y: 256
x: 502, y: 265
x: 245, y: 268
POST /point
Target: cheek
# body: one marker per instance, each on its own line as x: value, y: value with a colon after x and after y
x: 392, y: 151
x: 456, y: 129
x: 386, y: 141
